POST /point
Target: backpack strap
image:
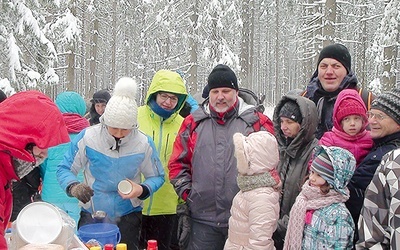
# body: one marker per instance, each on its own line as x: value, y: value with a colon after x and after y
x: 366, y: 97
x: 304, y: 93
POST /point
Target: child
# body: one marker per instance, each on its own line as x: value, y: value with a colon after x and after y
x: 319, y: 218
x: 349, y: 125
x: 255, y: 208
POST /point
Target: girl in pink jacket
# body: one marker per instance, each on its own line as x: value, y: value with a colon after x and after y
x: 349, y: 125
x: 255, y: 208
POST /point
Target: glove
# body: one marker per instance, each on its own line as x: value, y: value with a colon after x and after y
x: 82, y: 192
x: 183, y: 234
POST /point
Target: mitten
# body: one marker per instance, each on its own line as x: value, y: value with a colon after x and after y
x: 82, y: 192
x: 242, y: 163
x: 183, y: 233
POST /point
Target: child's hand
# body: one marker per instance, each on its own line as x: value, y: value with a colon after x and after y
x: 137, y: 190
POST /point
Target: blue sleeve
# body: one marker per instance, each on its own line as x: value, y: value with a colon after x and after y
x: 193, y: 103
x: 67, y: 170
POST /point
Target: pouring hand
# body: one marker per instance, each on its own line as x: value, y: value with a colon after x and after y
x: 137, y: 190
x: 82, y: 192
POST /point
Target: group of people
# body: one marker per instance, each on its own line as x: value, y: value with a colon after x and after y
x: 224, y: 176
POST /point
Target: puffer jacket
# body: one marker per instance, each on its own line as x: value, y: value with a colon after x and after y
x: 71, y: 104
x: 95, y: 152
x: 294, y: 157
x: 163, y: 132
x: 255, y: 208
x: 25, y: 117
x: 359, y: 145
x: 203, y: 167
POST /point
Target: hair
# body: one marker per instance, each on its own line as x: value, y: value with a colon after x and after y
x: 324, y: 188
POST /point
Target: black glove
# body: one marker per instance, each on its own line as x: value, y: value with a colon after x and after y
x: 183, y: 234
x: 81, y: 191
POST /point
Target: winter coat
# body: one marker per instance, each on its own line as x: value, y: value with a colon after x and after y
x: 378, y: 224
x: 331, y: 227
x: 325, y: 100
x: 255, y: 208
x: 69, y: 103
x: 163, y: 132
x: 366, y: 170
x: 360, y: 144
x: 294, y: 157
x: 203, y: 167
x: 105, y: 164
x: 26, y: 117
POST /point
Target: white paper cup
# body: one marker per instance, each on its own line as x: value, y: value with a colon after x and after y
x: 125, y: 187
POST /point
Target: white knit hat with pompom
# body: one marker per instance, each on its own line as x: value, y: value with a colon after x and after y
x: 121, y: 109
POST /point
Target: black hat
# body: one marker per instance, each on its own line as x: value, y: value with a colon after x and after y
x: 292, y: 111
x: 2, y: 96
x: 338, y: 52
x: 389, y: 103
x: 101, y: 96
x: 222, y: 77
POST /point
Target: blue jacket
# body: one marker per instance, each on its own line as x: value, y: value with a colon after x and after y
x: 105, y: 164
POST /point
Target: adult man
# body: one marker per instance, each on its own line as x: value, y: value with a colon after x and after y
x: 160, y: 119
x: 203, y: 167
x: 30, y: 123
x: 384, y: 122
x: 333, y: 74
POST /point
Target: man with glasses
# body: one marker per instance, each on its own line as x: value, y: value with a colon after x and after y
x: 384, y: 122
x: 159, y: 118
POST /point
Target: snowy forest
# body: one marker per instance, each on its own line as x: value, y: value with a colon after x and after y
x: 272, y: 45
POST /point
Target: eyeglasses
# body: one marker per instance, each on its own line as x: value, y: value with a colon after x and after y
x: 377, y: 116
x: 164, y: 97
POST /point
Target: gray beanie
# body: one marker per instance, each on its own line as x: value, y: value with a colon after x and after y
x: 389, y: 103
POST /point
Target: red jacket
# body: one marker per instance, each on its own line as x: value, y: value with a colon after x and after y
x: 26, y: 117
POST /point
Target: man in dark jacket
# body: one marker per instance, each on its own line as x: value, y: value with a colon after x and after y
x: 203, y: 167
x: 384, y: 121
x: 333, y: 74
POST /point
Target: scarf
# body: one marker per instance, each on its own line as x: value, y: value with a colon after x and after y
x: 310, y: 198
x: 75, y: 123
x: 250, y: 182
x: 160, y: 111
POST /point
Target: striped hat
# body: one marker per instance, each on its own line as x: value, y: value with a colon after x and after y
x: 335, y: 165
x: 323, y: 166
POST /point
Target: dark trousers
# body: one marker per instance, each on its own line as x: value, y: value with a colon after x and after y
x: 129, y: 227
x: 157, y: 227
x: 205, y: 237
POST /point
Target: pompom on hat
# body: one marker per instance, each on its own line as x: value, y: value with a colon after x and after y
x: 222, y: 77
x: 389, y: 103
x: 335, y: 165
x: 338, y: 52
x: 121, y: 109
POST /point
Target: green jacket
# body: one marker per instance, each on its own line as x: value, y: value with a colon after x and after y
x: 163, y: 133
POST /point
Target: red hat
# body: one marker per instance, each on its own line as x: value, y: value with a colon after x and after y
x: 350, y: 107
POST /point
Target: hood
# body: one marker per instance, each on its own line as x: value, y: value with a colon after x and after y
x: 258, y: 151
x: 308, y: 125
x: 168, y: 81
x: 30, y: 117
x: 348, y: 94
x: 71, y: 102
